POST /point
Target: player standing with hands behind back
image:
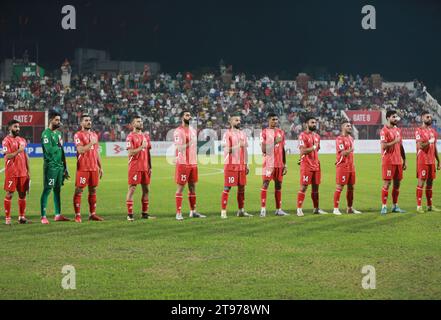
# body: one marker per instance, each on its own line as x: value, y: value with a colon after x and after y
x: 393, y: 160
x: 54, y: 168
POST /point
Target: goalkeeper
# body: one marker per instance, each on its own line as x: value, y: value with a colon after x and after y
x: 54, y: 169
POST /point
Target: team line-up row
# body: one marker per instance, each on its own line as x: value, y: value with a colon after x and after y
x: 235, y: 143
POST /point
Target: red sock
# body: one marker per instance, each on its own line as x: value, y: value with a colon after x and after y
x: 77, y: 203
x: 225, y: 194
x: 129, y: 204
x: 178, y: 202
x: 419, y: 196
x: 92, y: 203
x: 384, y: 195
x: 428, y: 196
x: 337, y: 194
x: 278, y: 197
x: 315, y: 199
x: 263, y: 198
x: 395, y: 194
x: 241, y: 199
x: 350, y: 197
x: 192, y: 200
x: 300, y: 199
x: 145, y: 204
x: 7, y: 205
x: 21, y: 207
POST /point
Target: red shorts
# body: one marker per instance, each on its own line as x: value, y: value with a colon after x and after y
x: 139, y: 177
x: 310, y: 177
x: 235, y: 178
x: 392, y: 171
x: 344, y: 177
x: 87, y: 178
x: 275, y: 174
x: 186, y: 174
x: 426, y: 171
x: 21, y: 184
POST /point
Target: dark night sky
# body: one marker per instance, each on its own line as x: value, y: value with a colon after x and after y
x: 254, y: 36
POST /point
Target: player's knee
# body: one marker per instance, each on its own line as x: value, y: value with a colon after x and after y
x: 22, y: 195
x: 227, y: 189
x: 9, y: 195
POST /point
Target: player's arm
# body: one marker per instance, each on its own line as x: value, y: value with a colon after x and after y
x: 27, y: 165
x: 48, y: 149
x: 180, y: 144
x: 11, y: 155
x: 66, y: 171
x: 305, y: 151
x: 246, y: 156
x: 403, y: 155
x: 387, y: 145
x: 438, y: 167
x: 133, y: 152
x: 84, y: 148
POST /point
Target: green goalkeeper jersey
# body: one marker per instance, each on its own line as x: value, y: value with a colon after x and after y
x: 52, y: 144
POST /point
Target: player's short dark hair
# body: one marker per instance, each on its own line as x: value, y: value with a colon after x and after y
x: 12, y: 122
x: 85, y: 115
x: 235, y: 114
x: 184, y: 112
x: 390, y: 113
x: 271, y: 115
x: 136, y: 116
x: 424, y: 112
x: 53, y: 114
x: 344, y: 121
x: 307, y: 118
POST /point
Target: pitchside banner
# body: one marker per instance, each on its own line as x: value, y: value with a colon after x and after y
x: 34, y: 150
x: 364, y: 118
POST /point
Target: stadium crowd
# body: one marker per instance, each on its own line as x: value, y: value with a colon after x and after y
x: 112, y: 99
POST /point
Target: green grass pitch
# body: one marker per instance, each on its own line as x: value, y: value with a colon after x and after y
x: 315, y: 257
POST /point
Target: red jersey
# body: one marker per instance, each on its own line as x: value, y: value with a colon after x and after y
x: 139, y: 161
x: 426, y: 155
x: 309, y: 161
x: 186, y: 136
x: 391, y: 155
x: 238, y: 142
x: 87, y: 161
x: 15, y: 167
x: 344, y: 143
x: 274, y: 153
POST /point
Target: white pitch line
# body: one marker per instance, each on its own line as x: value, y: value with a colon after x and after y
x: 2, y: 170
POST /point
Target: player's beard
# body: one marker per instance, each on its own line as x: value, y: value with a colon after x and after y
x: 312, y: 128
x: 428, y: 123
x: 56, y: 126
x: 187, y: 122
x: 237, y: 126
x: 15, y: 133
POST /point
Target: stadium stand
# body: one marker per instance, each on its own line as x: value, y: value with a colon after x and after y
x: 112, y: 99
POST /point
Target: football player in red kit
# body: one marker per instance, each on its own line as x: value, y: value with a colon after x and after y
x: 310, y: 172
x: 140, y: 167
x: 345, y: 168
x: 185, y: 138
x: 272, y: 141
x: 236, y: 168
x: 89, y: 170
x: 16, y: 171
x: 393, y: 160
x: 427, y: 152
